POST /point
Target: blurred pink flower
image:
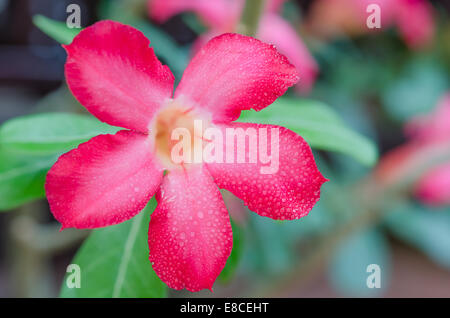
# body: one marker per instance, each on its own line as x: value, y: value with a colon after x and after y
x: 222, y: 16
x: 430, y: 140
x: 432, y: 127
x: 412, y: 18
x: 434, y: 187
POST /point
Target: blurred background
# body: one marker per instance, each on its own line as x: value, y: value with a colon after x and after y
x: 389, y: 85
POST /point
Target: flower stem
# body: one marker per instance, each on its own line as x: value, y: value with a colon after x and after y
x: 250, y: 17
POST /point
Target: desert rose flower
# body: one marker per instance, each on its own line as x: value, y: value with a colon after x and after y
x: 222, y: 16
x: 429, y: 141
x: 412, y: 18
x: 114, y: 73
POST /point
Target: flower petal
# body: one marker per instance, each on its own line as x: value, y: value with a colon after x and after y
x: 190, y: 235
x: 434, y: 187
x: 105, y: 181
x: 279, y: 32
x: 233, y: 72
x: 415, y: 22
x: 289, y: 191
x: 114, y: 73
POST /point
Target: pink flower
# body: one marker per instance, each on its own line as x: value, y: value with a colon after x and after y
x: 433, y: 127
x: 114, y: 73
x: 430, y: 142
x: 434, y: 187
x: 413, y: 18
x: 222, y: 16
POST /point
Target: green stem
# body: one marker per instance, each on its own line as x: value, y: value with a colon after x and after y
x: 250, y: 17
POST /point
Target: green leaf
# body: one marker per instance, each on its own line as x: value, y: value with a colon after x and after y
x: 318, y: 124
x: 426, y: 228
x: 417, y: 90
x: 268, y: 250
x: 349, y: 263
x: 236, y: 253
x: 50, y: 133
x: 30, y: 145
x: 22, y: 178
x: 114, y: 262
x: 55, y: 29
x: 175, y: 56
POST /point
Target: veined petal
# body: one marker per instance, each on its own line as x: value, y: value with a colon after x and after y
x: 233, y: 72
x: 274, y: 30
x: 190, y: 235
x: 290, y: 185
x: 114, y: 73
x: 104, y: 181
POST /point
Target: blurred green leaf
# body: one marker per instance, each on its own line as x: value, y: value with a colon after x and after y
x: 348, y: 266
x: 318, y: 124
x: 55, y: 29
x: 114, y: 262
x: 22, y: 178
x: 233, y: 261
x: 175, y: 56
x: 425, y: 228
x: 417, y: 90
x: 269, y: 247
x: 194, y: 22
x: 50, y: 133
x: 30, y: 145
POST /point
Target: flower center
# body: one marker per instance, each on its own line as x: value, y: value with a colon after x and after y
x: 177, y: 132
